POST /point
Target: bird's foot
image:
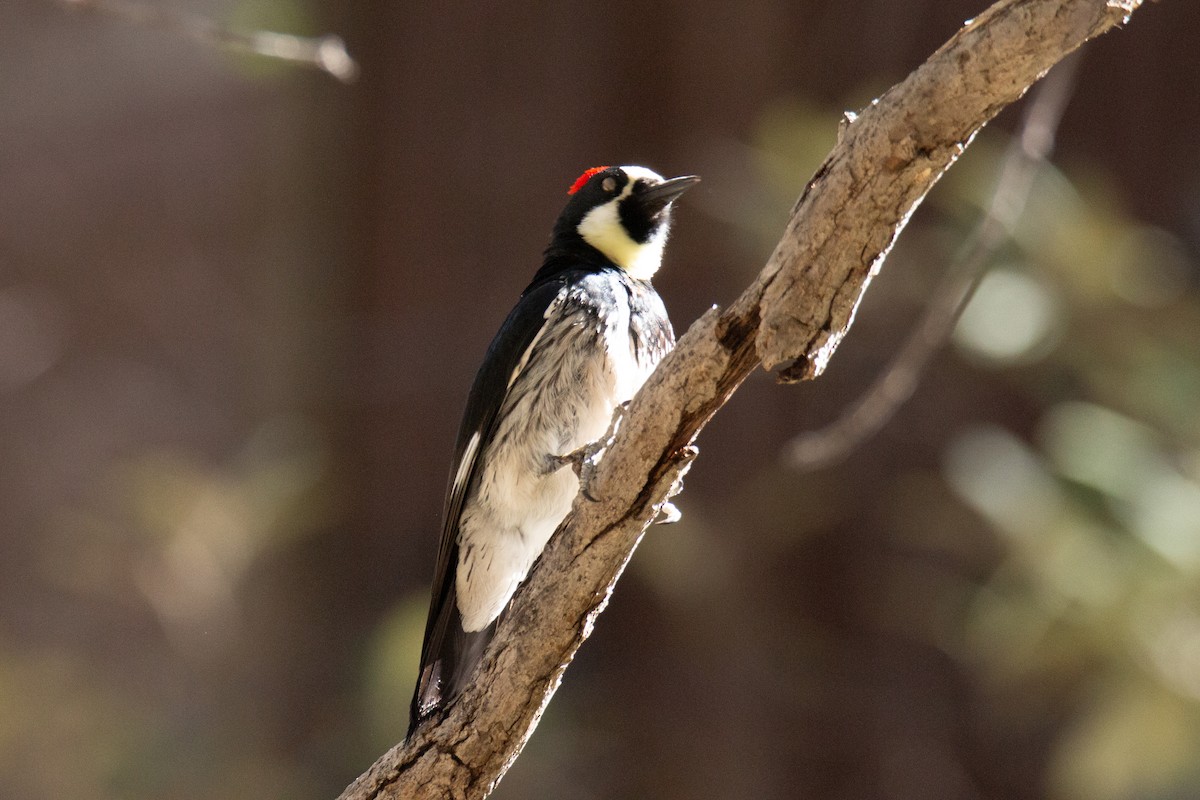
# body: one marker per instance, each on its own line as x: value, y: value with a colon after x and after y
x: 667, y: 514
x: 586, y: 459
x: 667, y: 511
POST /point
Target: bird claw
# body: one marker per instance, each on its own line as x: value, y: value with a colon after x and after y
x: 586, y: 459
x: 668, y: 513
x: 583, y: 463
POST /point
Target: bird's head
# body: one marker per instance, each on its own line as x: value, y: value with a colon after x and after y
x: 624, y: 213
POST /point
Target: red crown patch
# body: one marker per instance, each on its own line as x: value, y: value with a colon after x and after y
x: 582, y: 179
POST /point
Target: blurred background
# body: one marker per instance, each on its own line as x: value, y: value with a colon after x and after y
x: 241, y: 304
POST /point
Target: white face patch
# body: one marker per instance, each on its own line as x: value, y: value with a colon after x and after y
x: 602, y: 229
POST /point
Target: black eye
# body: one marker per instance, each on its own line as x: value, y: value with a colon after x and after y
x: 609, y: 184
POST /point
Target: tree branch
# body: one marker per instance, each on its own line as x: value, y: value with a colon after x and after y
x: 1026, y: 155
x: 793, y: 316
x: 326, y: 53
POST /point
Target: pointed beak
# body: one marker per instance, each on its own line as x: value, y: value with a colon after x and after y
x: 656, y: 198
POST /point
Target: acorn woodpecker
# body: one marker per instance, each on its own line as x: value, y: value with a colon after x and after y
x: 582, y: 339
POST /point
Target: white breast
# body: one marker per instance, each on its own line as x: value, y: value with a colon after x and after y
x: 520, y: 500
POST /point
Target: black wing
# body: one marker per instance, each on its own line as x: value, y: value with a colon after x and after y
x: 449, y: 654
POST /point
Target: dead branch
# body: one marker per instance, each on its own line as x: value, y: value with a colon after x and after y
x: 326, y: 53
x: 792, y: 317
x: 1026, y: 155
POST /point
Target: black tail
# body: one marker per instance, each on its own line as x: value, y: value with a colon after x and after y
x: 448, y: 656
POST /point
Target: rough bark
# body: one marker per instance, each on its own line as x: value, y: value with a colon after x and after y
x: 791, y: 318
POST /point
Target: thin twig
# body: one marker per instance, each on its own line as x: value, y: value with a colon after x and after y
x: 1026, y: 155
x: 326, y: 53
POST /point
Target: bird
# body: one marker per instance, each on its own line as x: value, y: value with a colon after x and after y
x: 583, y: 337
